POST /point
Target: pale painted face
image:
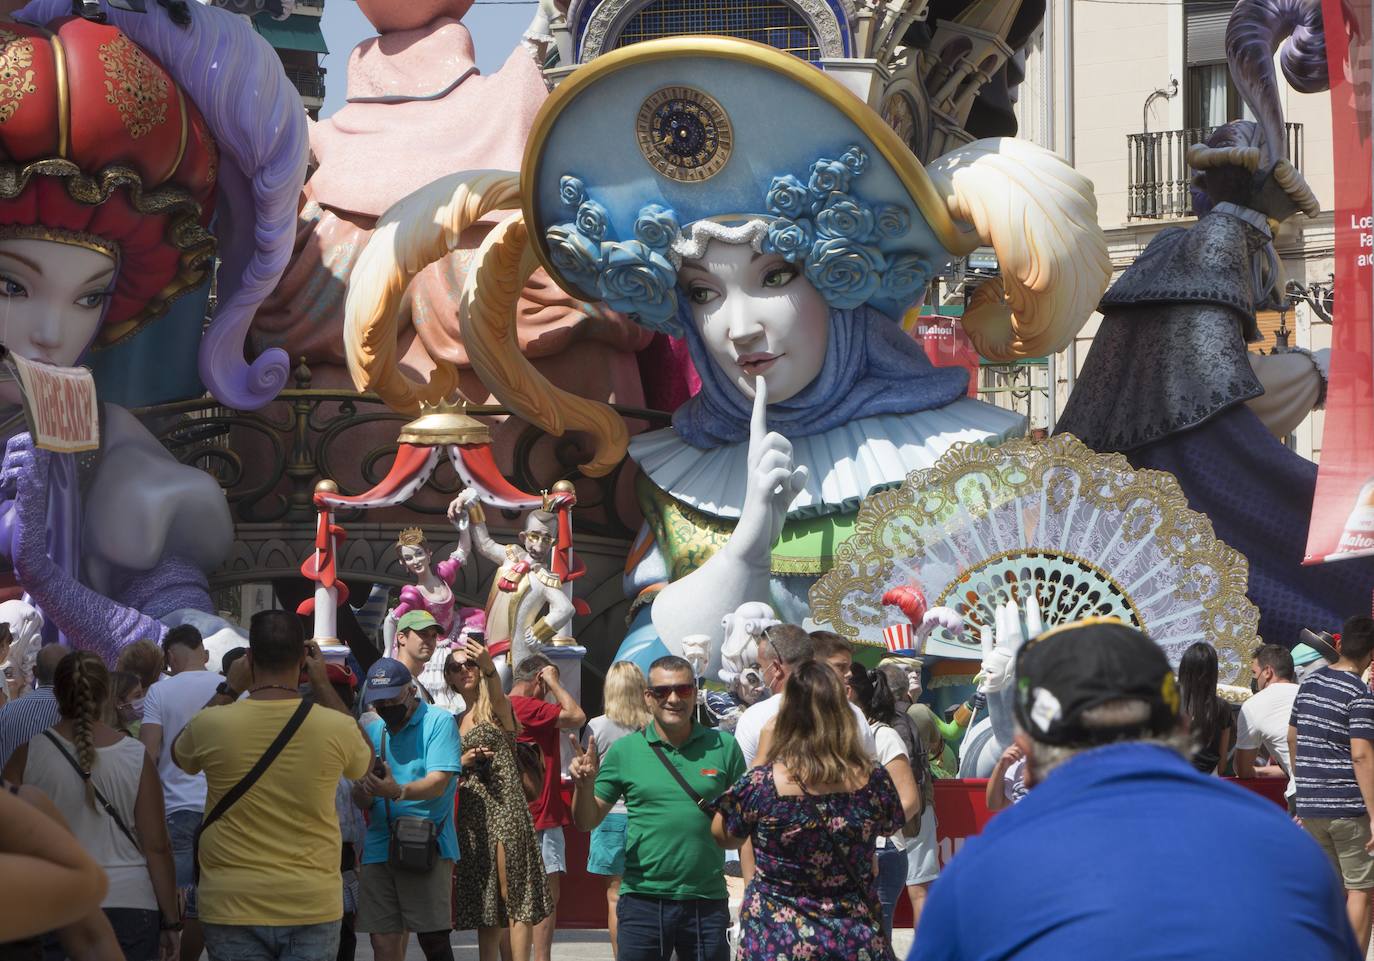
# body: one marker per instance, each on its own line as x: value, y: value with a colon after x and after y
x: 758, y: 316
x: 414, y: 559
x: 52, y: 297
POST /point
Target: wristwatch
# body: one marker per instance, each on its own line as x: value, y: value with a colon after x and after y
x: 162, y: 925
x: 224, y: 690
x: 491, y: 673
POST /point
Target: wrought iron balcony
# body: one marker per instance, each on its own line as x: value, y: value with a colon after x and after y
x: 309, y: 81
x: 1158, y: 177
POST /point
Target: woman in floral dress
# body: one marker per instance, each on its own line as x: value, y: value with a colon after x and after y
x: 499, y: 881
x: 813, y: 811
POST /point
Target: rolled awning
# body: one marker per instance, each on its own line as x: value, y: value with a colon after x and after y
x: 296, y: 32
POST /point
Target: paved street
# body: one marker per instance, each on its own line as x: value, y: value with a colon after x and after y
x: 569, y: 946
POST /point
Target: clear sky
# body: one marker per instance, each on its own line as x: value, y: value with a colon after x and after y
x: 496, y: 28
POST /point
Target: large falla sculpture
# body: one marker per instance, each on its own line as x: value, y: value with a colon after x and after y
x: 668, y: 181
x: 132, y: 153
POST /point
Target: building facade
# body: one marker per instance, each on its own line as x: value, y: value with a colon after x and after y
x: 1121, y: 89
x: 299, y: 42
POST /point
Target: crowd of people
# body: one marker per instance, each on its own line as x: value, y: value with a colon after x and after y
x: 284, y: 805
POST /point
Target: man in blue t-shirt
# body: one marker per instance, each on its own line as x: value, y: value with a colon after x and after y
x: 418, y: 754
x: 1121, y: 849
x: 1331, y: 742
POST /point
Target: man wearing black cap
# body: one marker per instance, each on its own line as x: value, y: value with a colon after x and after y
x: 1121, y: 846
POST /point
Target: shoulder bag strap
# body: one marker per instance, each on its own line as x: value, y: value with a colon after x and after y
x: 100, y: 798
x: 875, y: 914
x: 251, y: 778
x: 697, y: 799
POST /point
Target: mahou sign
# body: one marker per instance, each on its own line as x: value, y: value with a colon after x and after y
x: 62, y: 409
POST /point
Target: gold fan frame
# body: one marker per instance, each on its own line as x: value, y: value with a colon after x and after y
x: 1183, y: 533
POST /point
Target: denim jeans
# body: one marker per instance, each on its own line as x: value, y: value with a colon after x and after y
x: 264, y: 942
x: 651, y: 929
x: 181, y: 828
x: 891, y: 881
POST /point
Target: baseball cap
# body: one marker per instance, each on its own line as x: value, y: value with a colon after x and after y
x: 386, y: 678
x: 1067, y: 670
x: 416, y: 621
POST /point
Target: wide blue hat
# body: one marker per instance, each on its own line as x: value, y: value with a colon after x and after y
x: 643, y: 155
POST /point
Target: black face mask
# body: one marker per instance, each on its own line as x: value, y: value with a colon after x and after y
x: 393, y: 715
x: 1254, y: 685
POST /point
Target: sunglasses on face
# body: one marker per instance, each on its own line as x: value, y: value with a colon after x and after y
x: 457, y: 668
x: 660, y: 692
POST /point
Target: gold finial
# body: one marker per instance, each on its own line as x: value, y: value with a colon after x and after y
x: 447, y: 422
x: 563, y: 487
x: 326, y: 487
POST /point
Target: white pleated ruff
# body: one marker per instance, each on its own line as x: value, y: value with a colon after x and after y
x: 846, y: 462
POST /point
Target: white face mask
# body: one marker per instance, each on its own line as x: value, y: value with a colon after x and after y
x: 132, y: 711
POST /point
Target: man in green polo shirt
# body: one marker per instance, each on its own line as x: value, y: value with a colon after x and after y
x: 673, y: 893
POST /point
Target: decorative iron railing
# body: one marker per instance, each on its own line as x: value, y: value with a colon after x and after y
x: 269, y: 461
x: 308, y: 82
x: 1158, y: 176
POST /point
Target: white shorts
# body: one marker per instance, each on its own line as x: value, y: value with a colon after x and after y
x: 554, y: 850
x: 923, y: 852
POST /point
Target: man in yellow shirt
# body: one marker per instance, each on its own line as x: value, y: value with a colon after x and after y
x: 269, y: 885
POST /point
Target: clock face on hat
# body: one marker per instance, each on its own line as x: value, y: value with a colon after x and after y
x: 684, y: 134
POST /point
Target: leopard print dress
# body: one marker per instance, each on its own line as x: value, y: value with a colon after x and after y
x: 492, y: 811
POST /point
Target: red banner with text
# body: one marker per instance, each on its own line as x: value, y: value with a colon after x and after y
x: 1343, y: 509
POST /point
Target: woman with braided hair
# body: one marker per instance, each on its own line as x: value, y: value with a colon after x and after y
x: 106, y: 787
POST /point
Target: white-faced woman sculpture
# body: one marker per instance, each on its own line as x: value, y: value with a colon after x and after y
x: 736, y: 197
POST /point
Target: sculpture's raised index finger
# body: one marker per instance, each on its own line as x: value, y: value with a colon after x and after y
x: 758, y: 420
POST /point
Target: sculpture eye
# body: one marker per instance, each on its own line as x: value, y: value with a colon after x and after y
x: 12, y: 288
x: 779, y: 276
x: 701, y: 294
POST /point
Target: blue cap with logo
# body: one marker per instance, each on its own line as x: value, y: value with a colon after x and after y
x: 386, y: 678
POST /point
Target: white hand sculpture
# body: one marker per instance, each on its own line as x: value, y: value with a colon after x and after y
x: 774, y: 482
x: 944, y: 617
x: 999, y: 650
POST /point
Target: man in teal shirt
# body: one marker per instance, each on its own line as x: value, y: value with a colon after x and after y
x: 672, y: 896
x: 418, y: 746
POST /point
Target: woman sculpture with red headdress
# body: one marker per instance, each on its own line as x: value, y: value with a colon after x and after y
x: 133, y: 152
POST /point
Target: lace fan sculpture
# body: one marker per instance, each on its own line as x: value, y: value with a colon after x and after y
x: 1083, y: 531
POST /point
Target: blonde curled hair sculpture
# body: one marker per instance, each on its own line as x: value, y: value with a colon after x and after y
x: 1039, y: 215
x: 419, y: 230
x: 486, y: 317
x: 415, y: 232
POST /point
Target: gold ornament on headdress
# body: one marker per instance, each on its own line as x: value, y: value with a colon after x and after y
x: 410, y: 537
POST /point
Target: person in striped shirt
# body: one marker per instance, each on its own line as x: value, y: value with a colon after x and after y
x: 1331, y: 742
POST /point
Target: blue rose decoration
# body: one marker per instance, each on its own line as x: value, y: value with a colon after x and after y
x: 843, y: 216
x: 635, y: 279
x: 905, y: 277
x: 788, y: 197
x: 791, y: 239
x: 855, y: 159
x: 828, y: 176
x: 591, y: 220
x: 576, y: 257
x: 656, y: 228
x: 572, y: 191
x: 893, y: 220
x: 846, y: 272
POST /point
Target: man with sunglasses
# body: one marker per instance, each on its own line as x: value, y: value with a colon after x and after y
x: 672, y: 896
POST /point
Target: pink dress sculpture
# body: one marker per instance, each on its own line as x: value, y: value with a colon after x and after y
x: 418, y: 109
